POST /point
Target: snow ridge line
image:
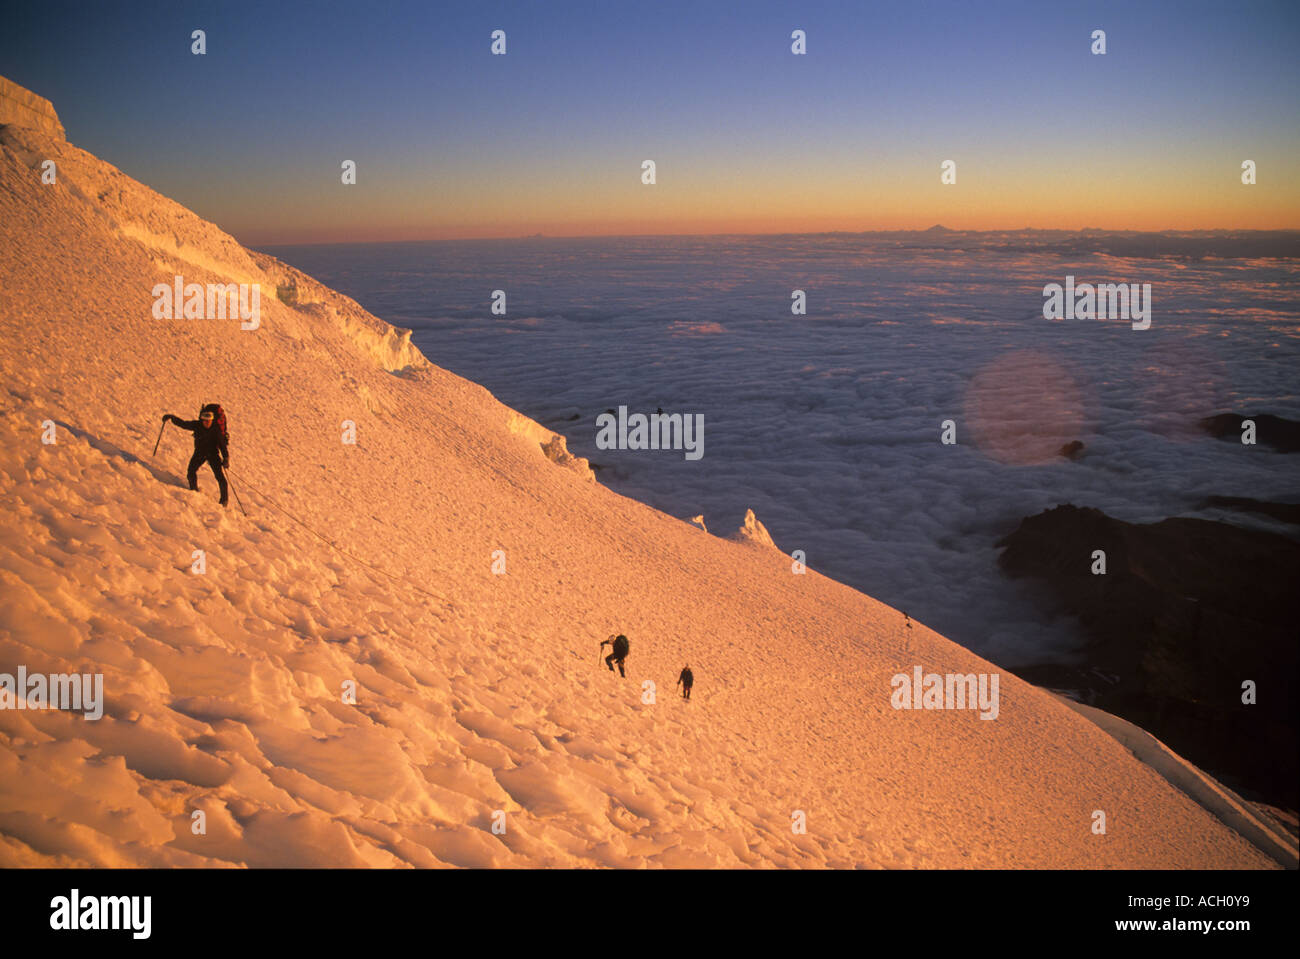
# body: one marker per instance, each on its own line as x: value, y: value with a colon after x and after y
x: 1216, y: 798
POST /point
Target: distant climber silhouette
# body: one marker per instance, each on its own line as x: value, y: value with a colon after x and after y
x: 211, y: 441
x: 618, y: 654
x: 686, y: 680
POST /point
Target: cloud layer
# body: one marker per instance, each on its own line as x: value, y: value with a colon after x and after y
x: 828, y: 425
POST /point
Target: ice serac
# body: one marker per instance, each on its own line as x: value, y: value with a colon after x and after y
x: 392, y: 660
x: 21, y: 107
x: 752, y: 531
x: 553, y: 445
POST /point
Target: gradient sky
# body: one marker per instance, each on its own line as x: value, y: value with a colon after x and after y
x: 451, y: 141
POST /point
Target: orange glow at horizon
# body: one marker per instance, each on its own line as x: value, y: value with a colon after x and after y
x: 753, y: 202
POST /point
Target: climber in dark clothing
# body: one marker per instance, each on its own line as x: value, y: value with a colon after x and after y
x: 618, y: 654
x: 210, y: 444
x: 686, y: 680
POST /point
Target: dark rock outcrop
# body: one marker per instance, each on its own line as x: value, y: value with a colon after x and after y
x: 1187, y: 610
x: 1281, y: 434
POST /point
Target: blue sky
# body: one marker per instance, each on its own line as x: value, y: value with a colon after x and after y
x: 250, y: 134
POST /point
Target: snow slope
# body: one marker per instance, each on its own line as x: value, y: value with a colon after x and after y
x: 475, y: 692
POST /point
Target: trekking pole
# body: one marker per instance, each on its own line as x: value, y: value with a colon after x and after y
x: 159, y: 439
x: 236, y: 492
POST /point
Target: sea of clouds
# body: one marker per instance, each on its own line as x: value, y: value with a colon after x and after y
x: 828, y: 425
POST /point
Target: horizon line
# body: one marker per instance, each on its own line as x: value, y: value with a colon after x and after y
x: 937, y: 228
